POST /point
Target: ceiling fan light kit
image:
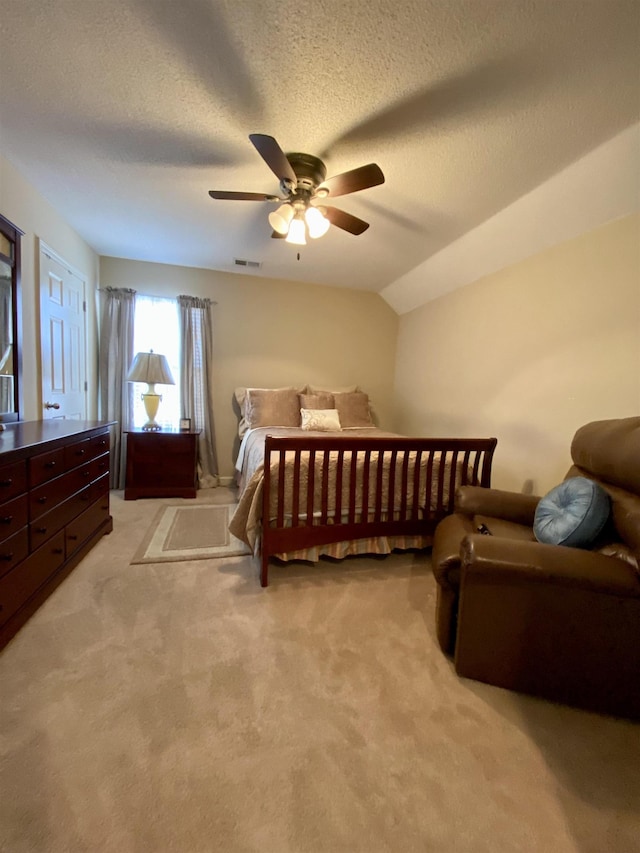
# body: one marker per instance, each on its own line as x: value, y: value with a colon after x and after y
x: 316, y: 222
x: 280, y: 219
x: 303, y: 180
x: 297, y: 230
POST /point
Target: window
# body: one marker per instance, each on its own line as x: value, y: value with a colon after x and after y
x: 156, y: 327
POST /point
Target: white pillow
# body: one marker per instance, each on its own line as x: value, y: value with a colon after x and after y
x: 325, y: 420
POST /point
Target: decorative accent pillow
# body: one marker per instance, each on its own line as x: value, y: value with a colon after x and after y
x: 325, y: 420
x: 353, y: 409
x: 572, y: 513
x: 316, y: 401
x: 272, y: 407
x: 241, y: 395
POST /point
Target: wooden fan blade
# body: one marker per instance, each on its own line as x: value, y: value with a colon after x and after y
x: 346, y: 221
x: 229, y: 196
x: 357, y: 179
x: 273, y: 156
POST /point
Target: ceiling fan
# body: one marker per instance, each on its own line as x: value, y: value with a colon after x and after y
x: 303, y: 183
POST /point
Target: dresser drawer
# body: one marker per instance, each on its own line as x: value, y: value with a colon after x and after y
x: 13, y: 550
x: 83, y: 451
x: 13, y: 516
x: 45, y: 526
x: 13, y: 480
x: 47, y: 496
x: 17, y: 587
x: 46, y: 466
x: 90, y: 471
x: 85, y: 525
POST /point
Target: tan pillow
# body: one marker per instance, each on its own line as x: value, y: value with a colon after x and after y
x: 325, y: 420
x: 353, y: 409
x: 315, y: 389
x: 316, y: 401
x: 241, y: 398
x: 272, y: 407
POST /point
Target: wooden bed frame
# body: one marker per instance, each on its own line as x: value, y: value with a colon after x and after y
x: 470, y: 459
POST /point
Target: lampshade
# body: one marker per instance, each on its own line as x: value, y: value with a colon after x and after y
x: 150, y: 367
x: 297, y: 230
x: 316, y: 222
x: 279, y: 219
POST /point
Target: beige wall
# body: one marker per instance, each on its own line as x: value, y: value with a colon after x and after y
x: 30, y: 212
x: 270, y: 333
x: 529, y: 354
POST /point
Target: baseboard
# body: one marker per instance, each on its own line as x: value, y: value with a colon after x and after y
x: 226, y: 481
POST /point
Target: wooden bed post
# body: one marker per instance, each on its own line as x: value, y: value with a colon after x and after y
x: 266, y: 488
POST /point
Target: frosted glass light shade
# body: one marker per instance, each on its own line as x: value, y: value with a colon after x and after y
x: 297, y: 231
x: 279, y: 219
x: 316, y: 222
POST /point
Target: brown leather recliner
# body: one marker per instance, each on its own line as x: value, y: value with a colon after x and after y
x: 554, y: 621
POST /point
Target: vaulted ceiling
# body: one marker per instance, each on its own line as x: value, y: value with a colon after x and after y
x: 124, y: 114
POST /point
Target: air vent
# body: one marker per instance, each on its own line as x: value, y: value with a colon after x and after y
x: 240, y: 262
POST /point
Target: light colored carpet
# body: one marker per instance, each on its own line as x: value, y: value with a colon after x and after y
x: 196, y: 531
x: 149, y: 710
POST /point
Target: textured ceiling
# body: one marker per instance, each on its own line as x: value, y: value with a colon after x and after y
x: 124, y: 114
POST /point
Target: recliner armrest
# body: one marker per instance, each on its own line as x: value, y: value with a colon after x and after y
x: 495, y: 560
x: 512, y: 506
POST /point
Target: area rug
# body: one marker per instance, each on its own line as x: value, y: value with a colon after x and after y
x: 195, y: 532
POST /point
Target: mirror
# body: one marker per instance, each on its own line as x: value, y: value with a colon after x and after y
x: 10, y: 321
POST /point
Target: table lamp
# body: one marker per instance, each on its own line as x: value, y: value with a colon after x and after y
x: 152, y: 368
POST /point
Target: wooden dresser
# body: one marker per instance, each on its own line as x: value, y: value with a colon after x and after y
x: 54, y: 507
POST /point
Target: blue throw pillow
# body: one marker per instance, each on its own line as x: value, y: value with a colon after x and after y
x: 572, y: 514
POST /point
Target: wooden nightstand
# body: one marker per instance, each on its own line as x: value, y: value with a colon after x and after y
x: 161, y: 464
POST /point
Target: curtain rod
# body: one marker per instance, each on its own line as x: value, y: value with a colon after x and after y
x: 154, y: 295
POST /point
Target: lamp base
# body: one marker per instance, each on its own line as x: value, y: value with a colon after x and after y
x: 151, y: 402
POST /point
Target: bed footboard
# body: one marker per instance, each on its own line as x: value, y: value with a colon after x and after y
x: 322, y: 490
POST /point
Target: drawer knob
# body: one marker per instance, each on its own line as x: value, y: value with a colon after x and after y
x: 49, y: 464
x: 57, y: 551
x: 6, y: 483
x: 72, y: 536
x: 80, y: 452
x: 7, y: 519
x: 41, y: 530
x: 6, y: 557
x: 42, y: 500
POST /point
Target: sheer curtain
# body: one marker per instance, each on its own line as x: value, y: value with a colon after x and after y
x: 196, y: 367
x: 115, y: 357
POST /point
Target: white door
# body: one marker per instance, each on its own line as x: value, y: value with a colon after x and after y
x: 62, y: 338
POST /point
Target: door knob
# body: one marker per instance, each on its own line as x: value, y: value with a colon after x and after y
x: 52, y: 405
